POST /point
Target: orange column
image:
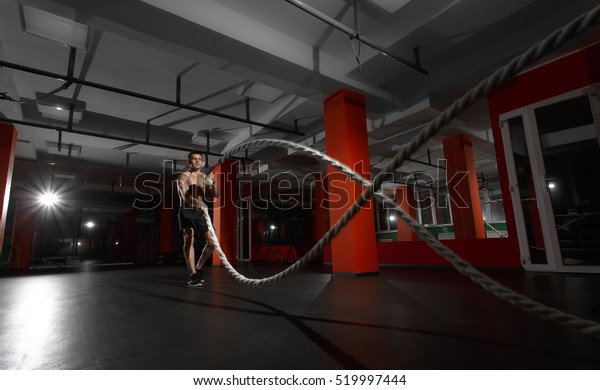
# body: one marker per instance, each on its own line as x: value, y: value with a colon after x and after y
x: 354, y: 250
x: 8, y: 146
x: 320, y: 220
x: 462, y: 187
x: 130, y: 238
x: 225, y: 211
x: 405, y: 197
x: 24, y: 235
x: 166, y: 230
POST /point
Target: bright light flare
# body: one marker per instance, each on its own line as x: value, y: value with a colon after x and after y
x: 90, y: 224
x: 49, y: 199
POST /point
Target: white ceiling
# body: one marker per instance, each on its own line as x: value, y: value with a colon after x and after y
x: 218, y: 47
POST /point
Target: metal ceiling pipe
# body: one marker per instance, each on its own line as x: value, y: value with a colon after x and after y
x: 353, y: 34
x: 137, y: 95
x: 426, y: 163
x: 111, y: 137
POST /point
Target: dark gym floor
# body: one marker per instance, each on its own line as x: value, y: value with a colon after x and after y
x: 403, y: 318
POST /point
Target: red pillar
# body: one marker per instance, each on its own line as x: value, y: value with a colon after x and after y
x: 463, y: 188
x: 320, y: 222
x: 405, y: 197
x: 24, y: 237
x: 354, y: 250
x: 8, y: 145
x: 130, y: 238
x: 166, y: 230
x: 225, y: 211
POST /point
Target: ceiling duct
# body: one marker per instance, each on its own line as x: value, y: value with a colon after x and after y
x: 262, y: 92
x: 53, y: 27
x: 391, y: 6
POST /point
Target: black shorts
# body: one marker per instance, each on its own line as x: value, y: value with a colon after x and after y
x: 190, y: 218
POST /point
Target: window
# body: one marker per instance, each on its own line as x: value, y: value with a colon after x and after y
x: 490, y: 195
x: 434, y: 206
x: 442, y: 206
x: 386, y: 218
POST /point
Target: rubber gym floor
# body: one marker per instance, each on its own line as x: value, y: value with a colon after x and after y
x: 403, y: 318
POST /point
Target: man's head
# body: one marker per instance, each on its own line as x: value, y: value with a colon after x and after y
x: 195, y: 160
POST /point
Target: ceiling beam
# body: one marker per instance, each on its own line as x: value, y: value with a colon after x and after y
x: 355, y: 35
x: 137, y: 95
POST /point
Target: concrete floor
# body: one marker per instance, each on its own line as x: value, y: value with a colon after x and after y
x: 404, y: 318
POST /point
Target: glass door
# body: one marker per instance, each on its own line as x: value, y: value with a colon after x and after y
x: 244, y: 229
x: 527, y: 193
x: 568, y: 135
x: 553, y: 159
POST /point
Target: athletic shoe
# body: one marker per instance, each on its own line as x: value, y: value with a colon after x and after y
x: 195, y: 280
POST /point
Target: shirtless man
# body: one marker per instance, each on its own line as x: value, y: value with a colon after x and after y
x: 193, y: 186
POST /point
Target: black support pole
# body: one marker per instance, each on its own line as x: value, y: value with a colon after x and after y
x: 90, y: 134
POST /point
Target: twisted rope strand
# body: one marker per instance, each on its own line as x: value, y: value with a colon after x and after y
x: 503, y: 292
x: 498, y: 232
x: 556, y: 39
x: 462, y: 266
x: 300, y: 263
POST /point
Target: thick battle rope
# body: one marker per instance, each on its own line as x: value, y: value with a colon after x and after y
x: 498, y: 232
x: 573, y: 29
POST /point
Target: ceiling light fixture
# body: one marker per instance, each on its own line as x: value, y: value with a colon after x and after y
x: 53, y: 27
x: 58, y: 107
x: 64, y: 176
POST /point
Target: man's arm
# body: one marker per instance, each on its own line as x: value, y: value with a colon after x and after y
x: 213, y: 188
